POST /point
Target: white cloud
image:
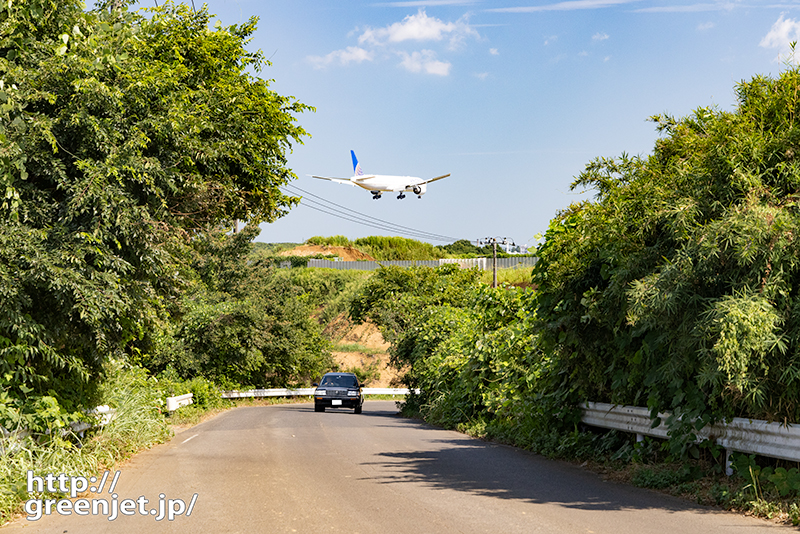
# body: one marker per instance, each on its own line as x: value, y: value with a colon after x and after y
x: 783, y: 32
x: 599, y: 37
x: 420, y: 27
x: 705, y: 26
x: 551, y: 39
x: 494, y: 52
x: 424, y: 61
x: 342, y: 57
x: 563, y: 6
x: 400, y: 39
x: 481, y: 75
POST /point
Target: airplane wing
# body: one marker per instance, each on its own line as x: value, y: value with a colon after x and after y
x: 338, y: 180
x: 434, y: 179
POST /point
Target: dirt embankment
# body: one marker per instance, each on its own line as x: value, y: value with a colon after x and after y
x: 346, y: 253
x: 363, y: 346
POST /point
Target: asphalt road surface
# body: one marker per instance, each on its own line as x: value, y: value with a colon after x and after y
x: 285, y: 468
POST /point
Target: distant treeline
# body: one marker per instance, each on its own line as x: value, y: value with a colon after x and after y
x: 384, y: 248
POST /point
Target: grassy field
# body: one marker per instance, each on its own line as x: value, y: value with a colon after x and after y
x: 513, y: 277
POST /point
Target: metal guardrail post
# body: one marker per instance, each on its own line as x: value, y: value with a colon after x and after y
x: 750, y: 436
x: 173, y: 403
x: 305, y: 392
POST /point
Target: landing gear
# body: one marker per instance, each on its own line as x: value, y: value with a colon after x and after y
x: 401, y: 196
x: 376, y: 195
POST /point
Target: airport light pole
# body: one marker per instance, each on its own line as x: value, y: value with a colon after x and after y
x: 494, y: 241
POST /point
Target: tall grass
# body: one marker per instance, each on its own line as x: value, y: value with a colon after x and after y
x: 137, y: 424
x: 328, y: 290
x: 333, y: 241
x: 384, y: 248
x: 514, y: 277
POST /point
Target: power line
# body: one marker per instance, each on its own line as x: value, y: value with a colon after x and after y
x: 363, y: 222
x: 324, y: 209
x: 367, y: 220
x: 392, y: 226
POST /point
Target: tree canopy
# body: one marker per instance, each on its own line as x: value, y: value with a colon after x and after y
x: 121, y: 134
x: 679, y: 287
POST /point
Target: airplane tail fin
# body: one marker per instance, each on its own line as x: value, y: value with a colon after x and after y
x: 356, y: 165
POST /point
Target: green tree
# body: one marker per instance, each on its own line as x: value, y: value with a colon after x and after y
x: 237, y: 322
x: 394, y: 297
x: 120, y: 133
x: 465, y: 248
x: 678, y: 287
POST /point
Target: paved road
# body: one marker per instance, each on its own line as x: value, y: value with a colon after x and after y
x: 285, y: 468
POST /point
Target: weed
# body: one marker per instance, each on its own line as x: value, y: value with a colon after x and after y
x: 356, y: 347
x: 137, y: 424
x: 366, y: 374
x: 657, y: 477
x: 794, y: 514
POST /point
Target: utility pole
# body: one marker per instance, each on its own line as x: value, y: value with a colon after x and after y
x: 494, y: 263
x: 493, y: 241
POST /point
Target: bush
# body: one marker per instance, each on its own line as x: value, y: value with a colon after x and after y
x: 333, y: 241
x: 137, y: 424
x: 397, y: 248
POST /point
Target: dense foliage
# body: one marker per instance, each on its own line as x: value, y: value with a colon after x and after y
x: 238, y: 322
x: 464, y: 248
x: 397, y: 248
x: 394, y: 297
x: 331, y: 241
x: 679, y: 287
x: 470, y: 349
x: 384, y: 248
x: 122, y: 136
x: 328, y: 292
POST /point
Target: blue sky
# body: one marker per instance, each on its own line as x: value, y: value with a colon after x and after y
x: 513, y: 98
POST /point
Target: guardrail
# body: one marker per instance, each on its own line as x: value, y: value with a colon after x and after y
x: 750, y: 436
x: 387, y: 391
x: 11, y: 440
x: 173, y: 403
x: 304, y: 392
x: 105, y: 415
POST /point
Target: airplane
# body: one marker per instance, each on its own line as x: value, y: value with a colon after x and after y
x: 378, y: 184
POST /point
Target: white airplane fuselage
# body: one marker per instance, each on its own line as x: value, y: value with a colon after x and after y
x: 383, y: 182
x: 380, y: 183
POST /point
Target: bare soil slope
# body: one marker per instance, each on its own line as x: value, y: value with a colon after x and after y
x: 346, y: 253
x: 362, y: 346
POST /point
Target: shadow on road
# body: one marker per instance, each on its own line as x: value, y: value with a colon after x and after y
x: 502, y: 472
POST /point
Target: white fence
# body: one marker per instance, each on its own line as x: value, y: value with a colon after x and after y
x: 105, y: 414
x: 305, y: 392
x: 468, y: 263
x: 173, y: 403
x: 742, y: 435
x: 11, y: 440
x: 522, y: 262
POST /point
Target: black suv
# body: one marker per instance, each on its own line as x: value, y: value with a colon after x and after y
x: 338, y: 390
